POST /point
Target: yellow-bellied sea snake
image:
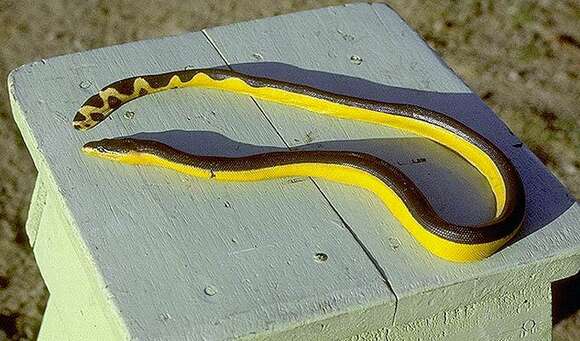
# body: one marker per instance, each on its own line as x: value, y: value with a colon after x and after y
x: 406, y: 202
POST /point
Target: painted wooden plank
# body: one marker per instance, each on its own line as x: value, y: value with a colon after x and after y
x: 69, y: 281
x: 522, y: 314
x: 52, y: 324
x: 368, y: 51
x: 447, y: 288
x: 37, y: 203
x: 182, y: 258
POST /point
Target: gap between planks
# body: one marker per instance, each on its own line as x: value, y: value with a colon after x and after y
x: 367, y: 252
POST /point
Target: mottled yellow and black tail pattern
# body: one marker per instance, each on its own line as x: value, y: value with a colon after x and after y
x: 99, y: 106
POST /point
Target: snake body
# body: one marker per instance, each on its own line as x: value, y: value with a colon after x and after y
x: 406, y: 202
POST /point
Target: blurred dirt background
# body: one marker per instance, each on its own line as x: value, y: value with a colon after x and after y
x: 521, y: 57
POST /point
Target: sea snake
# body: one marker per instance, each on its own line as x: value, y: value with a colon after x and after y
x: 450, y: 241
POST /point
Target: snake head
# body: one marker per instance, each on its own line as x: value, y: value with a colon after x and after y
x: 119, y: 149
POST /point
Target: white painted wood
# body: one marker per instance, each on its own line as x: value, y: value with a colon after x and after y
x: 157, y: 245
x: 522, y: 314
x: 315, y: 48
x: 151, y: 242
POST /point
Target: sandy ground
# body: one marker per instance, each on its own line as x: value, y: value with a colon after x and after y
x: 521, y: 57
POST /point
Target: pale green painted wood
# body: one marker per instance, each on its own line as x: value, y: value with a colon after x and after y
x: 523, y: 314
x: 151, y: 242
x: 319, y: 54
x: 89, y: 314
x: 393, y: 55
x: 52, y: 328
x: 70, y: 288
x: 142, y: 260
x: 37, y: 203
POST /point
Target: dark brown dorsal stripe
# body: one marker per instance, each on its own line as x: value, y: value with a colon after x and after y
x: 124, y: 86
x: 159, y: 81
x: 187, y: 75
x: 218, y: 74
x: 114, y: 102
x: 79, y: 117
x: 95, y: 101
x: 97, y: 116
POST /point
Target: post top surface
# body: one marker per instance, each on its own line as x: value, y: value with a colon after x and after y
x: 229, y: 260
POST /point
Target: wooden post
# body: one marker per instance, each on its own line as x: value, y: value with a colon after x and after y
x: 148, y: 254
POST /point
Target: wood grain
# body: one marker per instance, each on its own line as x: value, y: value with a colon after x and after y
x: 51, y: 328
x: 77, y: 296
x: 398, y: 66
x: 181, y: 257
x: 173, y: 257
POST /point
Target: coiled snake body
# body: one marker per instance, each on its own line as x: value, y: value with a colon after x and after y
x: 405, y: 201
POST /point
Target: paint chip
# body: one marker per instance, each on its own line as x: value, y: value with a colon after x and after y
x: 210, y: 290
x: 321, y: 257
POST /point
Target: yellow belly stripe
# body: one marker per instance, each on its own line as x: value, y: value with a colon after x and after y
x: 475, y: 156
x: 441, y: 247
